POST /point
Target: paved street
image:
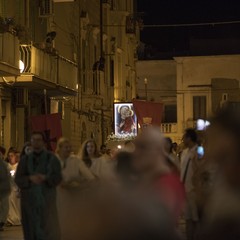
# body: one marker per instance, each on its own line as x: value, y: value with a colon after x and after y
x: 11, y: 233
x: 15, y: 233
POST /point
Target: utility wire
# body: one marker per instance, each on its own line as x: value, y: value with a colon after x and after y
x: 176, y: 25
x: 160, y: 25
x: 192, y: 24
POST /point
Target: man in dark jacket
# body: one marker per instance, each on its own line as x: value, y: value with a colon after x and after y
x: 37, y: 176
x: 5, y: 189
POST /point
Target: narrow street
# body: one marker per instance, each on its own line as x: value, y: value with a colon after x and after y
x: 12, y: 233
x: 15, y: 233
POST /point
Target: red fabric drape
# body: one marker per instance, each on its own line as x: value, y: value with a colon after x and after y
x: 50, y: 125
x: 148, y: 113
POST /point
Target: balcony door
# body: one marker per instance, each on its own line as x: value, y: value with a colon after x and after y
x: 199, y: 107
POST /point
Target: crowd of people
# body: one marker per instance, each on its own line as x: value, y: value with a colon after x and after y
x: 138, y: 192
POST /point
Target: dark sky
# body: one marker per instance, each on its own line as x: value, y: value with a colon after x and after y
x: 185, y: 11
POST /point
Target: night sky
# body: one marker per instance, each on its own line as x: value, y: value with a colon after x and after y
x: 176, y: 40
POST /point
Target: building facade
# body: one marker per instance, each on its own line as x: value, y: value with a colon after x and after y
x: 204, y: 84
x: 191, y: 87
x: 157, y: 81
x: 77, y: 57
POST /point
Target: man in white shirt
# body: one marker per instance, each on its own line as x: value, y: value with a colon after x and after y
x: 189, y: 161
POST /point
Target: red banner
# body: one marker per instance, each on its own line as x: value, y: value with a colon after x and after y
x: 148, y: 113
x: 50, y: 125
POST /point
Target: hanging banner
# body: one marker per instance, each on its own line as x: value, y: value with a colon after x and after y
x: 148, y: 113
x: 50, y: 125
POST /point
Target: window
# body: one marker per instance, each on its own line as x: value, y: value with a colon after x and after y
x: 95, y: 74
x: 84, y: 65
x: 114, y: 4
x: 199, y: 107
x: 112, y: 73
x: 94, y: 83
x: 170, y: 114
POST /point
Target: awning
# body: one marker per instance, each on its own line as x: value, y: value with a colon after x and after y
x: 37, y: 85
x: 8, y: 70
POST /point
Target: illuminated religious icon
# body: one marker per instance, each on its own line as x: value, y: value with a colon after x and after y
x: 125, y: 119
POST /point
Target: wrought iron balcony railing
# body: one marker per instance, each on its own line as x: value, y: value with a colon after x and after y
x: 169, y: 127
x: 50, y: 67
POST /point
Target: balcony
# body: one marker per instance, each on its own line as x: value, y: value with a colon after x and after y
x: 9, y: 55
x: 43, y: 70
x: 169, y: 128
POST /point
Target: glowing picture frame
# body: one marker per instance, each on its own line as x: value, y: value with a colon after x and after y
x: 125, y: 119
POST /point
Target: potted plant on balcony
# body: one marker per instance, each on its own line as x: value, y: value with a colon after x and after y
x: 6, y: 24
x: 9, y: 25
x: 22, y: 33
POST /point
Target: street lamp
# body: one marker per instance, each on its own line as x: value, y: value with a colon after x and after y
x: 145, y: 83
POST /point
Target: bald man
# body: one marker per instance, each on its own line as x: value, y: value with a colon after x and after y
x: 155, y: 172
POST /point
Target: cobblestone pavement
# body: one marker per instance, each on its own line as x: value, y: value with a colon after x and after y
x: 11, y: 233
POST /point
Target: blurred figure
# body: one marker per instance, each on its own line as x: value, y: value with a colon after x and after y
x: 189, y: 164
x: 222, y: 213
x: 27, y: 149
x: 14, y: 215
x: 10, y: 154
x: 129, y: 146
x: 103, y: 149
x: 171, y: 155
x: 150, y: 163
x: 5, y: 189
x: 121, y: 215
x: 175, y: 148
x: 108, y: 162
x: 17, y: 156
x: 124, y: 169
x: 37, y: 176
x: 76, y: 178
x: 180, y: 149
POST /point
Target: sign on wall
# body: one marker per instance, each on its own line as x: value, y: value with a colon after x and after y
x: 125, y: 119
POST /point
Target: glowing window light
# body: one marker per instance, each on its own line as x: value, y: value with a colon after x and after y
x: 21, y: 66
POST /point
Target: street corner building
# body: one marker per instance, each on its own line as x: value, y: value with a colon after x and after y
x: 77, y: 65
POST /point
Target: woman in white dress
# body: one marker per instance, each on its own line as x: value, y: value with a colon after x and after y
x: 100, y: 166
x: 14, y: 216
x: 77, y: 178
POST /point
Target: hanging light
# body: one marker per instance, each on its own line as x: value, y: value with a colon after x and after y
x: 21, y: 66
